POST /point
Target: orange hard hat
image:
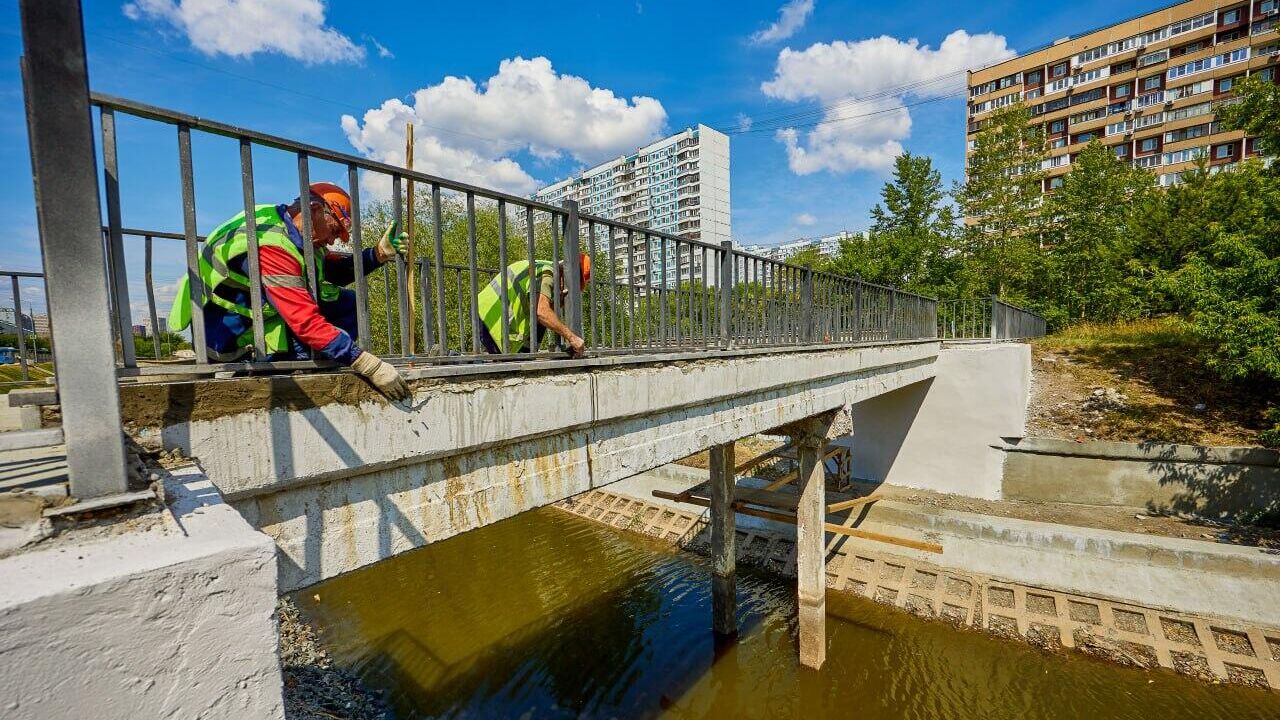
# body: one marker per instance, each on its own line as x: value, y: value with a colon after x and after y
x: 339, y: 203
x: 584, y: 262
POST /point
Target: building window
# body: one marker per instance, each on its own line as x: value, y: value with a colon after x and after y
x: 1153, y: 58
x: 1222, y: 152
x: 1267, y: 74
x: 1122, y: 91
x: 1152, y: 83
x: 1122, y: 151
x: 1268, y: 6
x: 1057, y: 71
x: 1057, y: 143
x: 1229, y: 17
x: 1085, y: 137
x: 1123, y: 67
x: 1057, y: 126
x: 1033, y: 78
x: 1224, y: 85
x: 1148, y: 144
x: 1055, y: 183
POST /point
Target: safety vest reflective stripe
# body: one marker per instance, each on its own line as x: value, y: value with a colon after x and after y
x: 489, y: 304
x: 284, y: 281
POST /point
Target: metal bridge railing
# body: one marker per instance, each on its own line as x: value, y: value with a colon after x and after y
x: 987, y: 319
x: 649, y: 291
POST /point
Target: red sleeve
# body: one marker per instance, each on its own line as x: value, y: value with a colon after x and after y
x: 287, y: 290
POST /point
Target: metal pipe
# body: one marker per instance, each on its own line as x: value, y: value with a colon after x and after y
x: 476, y: 347
x: 357, y: 257
x: 115, y: 242
x: 442, y: 316
x: 250, y: 230
x: 151, y: 295
x: 402, y: 270
x: 505, y: 341
x: 308, y: 232
x: 190, y: 239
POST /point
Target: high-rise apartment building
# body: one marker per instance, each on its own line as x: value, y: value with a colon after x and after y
x: 677, y: 185
x: 828, y: 245
x: 1147, y: 87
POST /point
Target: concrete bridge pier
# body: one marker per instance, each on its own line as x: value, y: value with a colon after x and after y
x: 724, y: 557
x: 809, y: 437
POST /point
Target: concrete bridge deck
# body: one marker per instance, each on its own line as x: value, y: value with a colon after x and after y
x: 340, y: 478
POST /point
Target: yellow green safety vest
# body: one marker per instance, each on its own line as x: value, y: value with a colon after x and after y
x: 489, y: 303
x: 223, y: 246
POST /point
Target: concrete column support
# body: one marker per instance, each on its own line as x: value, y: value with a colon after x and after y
x: 724, y: 563
x: 809, y: 437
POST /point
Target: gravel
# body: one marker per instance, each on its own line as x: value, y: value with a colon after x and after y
x: 314, y: 689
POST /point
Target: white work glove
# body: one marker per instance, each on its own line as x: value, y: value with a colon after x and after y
x: 382, y: 375
x: 391, y: 244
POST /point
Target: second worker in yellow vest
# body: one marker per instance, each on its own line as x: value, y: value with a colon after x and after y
x: 547, y: 280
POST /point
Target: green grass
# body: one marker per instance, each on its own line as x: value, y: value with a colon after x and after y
x: 1153, y: 333
x: 13, y: 374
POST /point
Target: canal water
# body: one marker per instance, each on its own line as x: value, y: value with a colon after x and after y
x: 547, y: 615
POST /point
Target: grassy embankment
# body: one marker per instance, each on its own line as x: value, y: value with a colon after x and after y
x: 1157, y: 365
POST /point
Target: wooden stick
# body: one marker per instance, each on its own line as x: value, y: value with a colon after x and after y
x: 408, y: 228
x: 791, y: 519
x: 846, y: 504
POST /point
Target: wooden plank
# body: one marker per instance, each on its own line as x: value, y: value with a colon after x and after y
x: 791, y: 519
x: 759, y: 459
x: 846, y: 504
x: 791, y: 476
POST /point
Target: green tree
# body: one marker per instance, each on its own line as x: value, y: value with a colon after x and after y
x: 1256, y: 111
x: 910, y: 244
x: 1090, y: 241
x: 1000, y: 199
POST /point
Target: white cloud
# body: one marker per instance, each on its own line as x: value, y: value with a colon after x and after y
x: 242, y: 28
x: 467, y: 131
x: 791, y: 17
x: 744, y: 122
x: 805, y: 219
x: 383, y: 51
x: 865, y: 86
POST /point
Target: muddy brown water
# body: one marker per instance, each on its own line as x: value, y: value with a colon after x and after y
x: 547, y: 615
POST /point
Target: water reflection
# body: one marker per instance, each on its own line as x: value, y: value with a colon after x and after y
x: 548, y: 615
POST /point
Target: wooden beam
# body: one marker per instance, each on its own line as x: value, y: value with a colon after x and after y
x: 759, y: 459
x: 791, y: 519
x: 791, y: 476
x: 846, y: 504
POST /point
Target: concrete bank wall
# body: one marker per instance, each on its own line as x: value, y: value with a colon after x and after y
x: 342, y: 485
x: 176, y: 621
x: 1132, y: 599
x: 939, y: 435
x: 1215, y: 482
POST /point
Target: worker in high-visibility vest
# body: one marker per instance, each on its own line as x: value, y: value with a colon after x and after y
x: 517, y: 277
x: 293, y: 319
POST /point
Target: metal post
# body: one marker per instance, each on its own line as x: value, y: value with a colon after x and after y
x: 151, y: 294
x: 119, y: 282
x: 504, y: 342
x: 22, y: 335
x: 402, y: 271
x: 191, y: 242
x: 250, y: 229
x: 995, y: 302
x: 726, y: 292
x: 573, y: 268
x: 473, y: 275
x: 806, y: 306
x: 357, y: 258
x: 723, y: 536
x: 60, y: 132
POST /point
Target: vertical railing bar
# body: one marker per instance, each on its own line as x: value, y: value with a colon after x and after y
x: 504, y: 343
x: 704, y: 299
x: 662, y: 291
x: 613, y: 289
x: 428, y: 311
x: 250, y: 229
x: 462, y: 304
x: 472, y: 274
x: 402, y: 269
x: 115, y: 240
x: 357, y: 256
x: 195, y: 285
x: 151, y: 294
x: 22, y: 331
x: 597, y: 331
x: 386, y: 307
x: 631, y: 286
x: 532, y: 342
x: 308, y: 232
x: 437, y: 231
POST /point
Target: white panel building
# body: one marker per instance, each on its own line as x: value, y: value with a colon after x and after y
x: 677, y: 185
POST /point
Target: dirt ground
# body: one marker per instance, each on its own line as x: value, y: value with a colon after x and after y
x: 1138, y: 383
x: 744, y: 450
x: 1091, y: 516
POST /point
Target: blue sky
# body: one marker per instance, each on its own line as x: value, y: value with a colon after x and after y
x: 617, y: 73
